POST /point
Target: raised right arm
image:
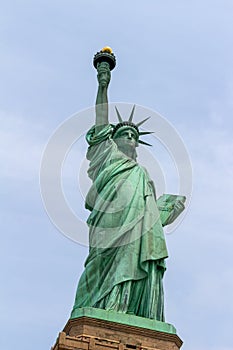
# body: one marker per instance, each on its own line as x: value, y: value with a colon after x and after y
x: 101, y: 109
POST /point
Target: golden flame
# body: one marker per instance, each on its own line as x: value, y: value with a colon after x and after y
x: 106, y: 49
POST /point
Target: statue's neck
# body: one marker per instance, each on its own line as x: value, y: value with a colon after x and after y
x: 131, y: 153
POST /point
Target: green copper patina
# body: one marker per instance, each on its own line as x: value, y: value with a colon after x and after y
x: 125, y: 265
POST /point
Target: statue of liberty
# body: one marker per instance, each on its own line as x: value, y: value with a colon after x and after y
x: 126, y: 262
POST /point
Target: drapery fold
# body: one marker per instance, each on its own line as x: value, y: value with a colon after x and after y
x: 125, y: 265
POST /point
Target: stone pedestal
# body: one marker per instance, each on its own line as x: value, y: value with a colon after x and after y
x: 95, y: 329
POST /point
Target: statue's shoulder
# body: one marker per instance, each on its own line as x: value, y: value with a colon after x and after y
x: 98, y: 134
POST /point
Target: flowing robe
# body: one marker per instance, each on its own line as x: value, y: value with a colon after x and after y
x: 125, y: 265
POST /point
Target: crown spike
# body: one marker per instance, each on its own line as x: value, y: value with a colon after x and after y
x: 146, y: 132
x: 143, y: 121
x: 131, y: 115
x: 118, y: 115
x: 144, y: 143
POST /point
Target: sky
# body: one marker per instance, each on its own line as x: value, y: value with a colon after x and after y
x: 173, y: 57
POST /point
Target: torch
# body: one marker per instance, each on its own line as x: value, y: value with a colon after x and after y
x: 105, y: 55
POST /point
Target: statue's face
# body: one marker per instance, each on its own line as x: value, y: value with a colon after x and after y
x: 127, y: 141
x: 127, y: 135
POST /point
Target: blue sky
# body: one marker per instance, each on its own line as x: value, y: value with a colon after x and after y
x: 174, y: 57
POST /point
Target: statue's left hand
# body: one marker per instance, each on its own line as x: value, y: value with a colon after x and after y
x: 178, y: 207
x: 176, y: 211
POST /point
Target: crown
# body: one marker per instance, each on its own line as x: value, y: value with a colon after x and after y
x: 130, y: 124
